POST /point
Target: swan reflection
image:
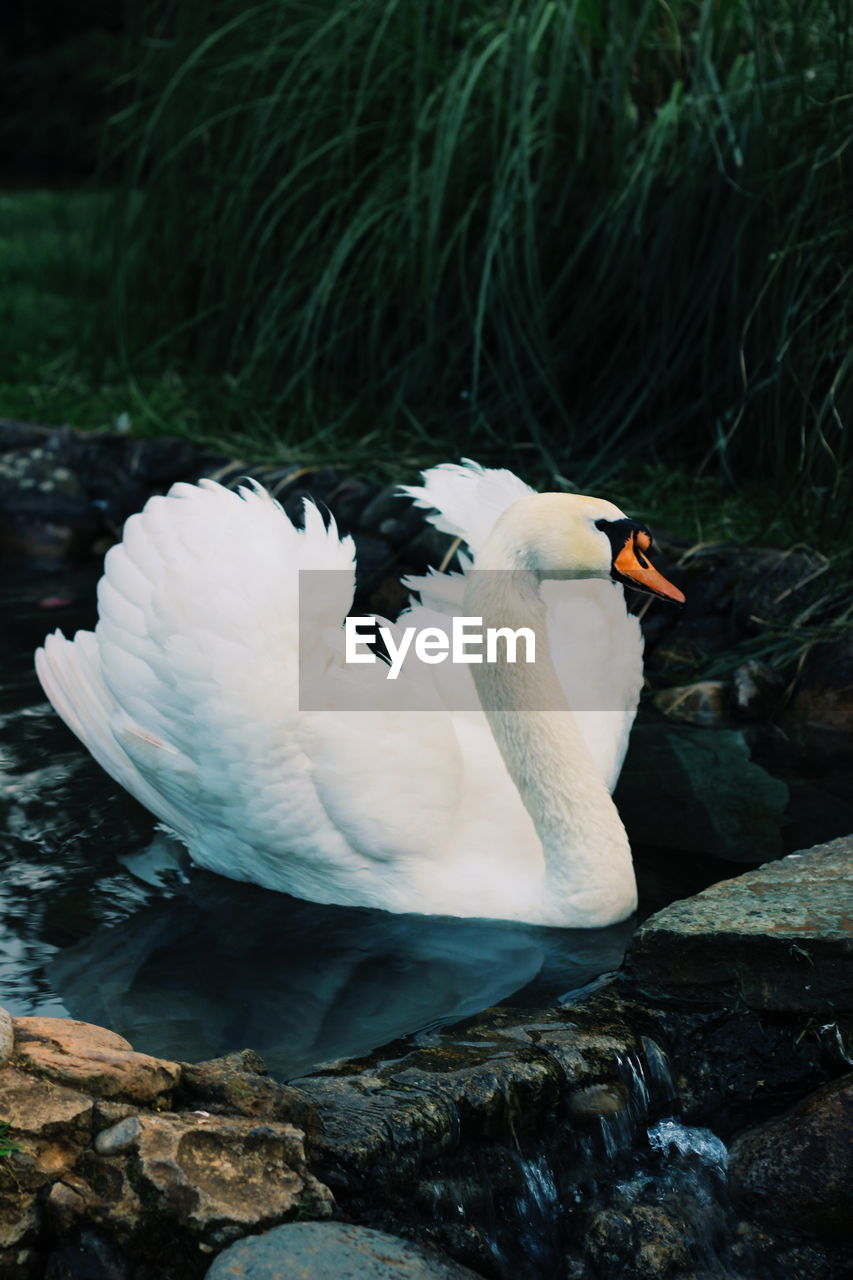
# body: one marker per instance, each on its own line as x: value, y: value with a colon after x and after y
x: 222, y: 966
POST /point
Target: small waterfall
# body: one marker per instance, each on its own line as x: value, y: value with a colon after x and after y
x: 622, y: 1189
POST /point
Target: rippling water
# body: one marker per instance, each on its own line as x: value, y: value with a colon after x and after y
x: 104, y: 920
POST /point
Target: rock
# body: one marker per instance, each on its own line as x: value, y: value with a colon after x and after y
x: 87, y: 1057
x: 219, y: 1177
x: 97, y: 1193
x: 50, y: 1125
x: 736, y: 1068
x: 119, y: 1138
x: 757, y: 690
x: 222, y: 1085
x: 732, y: 592
x: 91, y: 1257
x: 19, y: 1218
x: 109, y: 1113
x: 361, y: 1116
x: 595, y: 1100
x: 778, y: 938
x: 798, y: 1168
x: 692, y: 791
x: 823, y: 695
x: 645, y: 1242
x: 706, y: 703
x: 332, y: 1251
x: 383, y: 1126
x: 7, y: 1037
x: 388, y: 504
x: 46, y: 512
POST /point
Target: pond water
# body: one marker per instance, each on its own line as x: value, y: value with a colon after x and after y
x: 103, y: 919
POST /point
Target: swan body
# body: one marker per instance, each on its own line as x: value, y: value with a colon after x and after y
x: 493, y: 801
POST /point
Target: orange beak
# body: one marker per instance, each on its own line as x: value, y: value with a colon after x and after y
x: 636, y: 571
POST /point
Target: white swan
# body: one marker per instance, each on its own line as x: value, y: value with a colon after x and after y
x: 187, y: 693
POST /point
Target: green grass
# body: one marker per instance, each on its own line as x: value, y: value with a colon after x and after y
x: 584, y: 237
x: 7, y: 1148
x: 53, y: 287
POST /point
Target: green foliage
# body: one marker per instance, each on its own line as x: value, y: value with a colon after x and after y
x: 574, y: 235
x: 7, y: 1148
x: 53, y: 283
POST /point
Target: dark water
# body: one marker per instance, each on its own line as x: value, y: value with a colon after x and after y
x: 102, y: 919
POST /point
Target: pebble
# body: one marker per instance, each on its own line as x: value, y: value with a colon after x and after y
x: 332, y: 1251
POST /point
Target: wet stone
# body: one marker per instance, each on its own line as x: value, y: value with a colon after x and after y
x: 332, y: 1251
x: 224, y: 1084
x: 93, y: 1059
x: 777, y: 938
x: 798, y: 1168
x: 597, y: 1100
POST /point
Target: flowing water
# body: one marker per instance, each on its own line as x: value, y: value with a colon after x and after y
x: 102, y: 919
x: 635, y: 1192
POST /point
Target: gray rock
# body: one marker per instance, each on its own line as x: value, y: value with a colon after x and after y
x: 332, y: 1251
x: 777, y: 938
x: 798, y: 1168
x: 118, y: 1139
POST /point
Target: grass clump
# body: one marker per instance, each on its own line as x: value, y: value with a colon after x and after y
x: 569, y: 235
x: 7, y: 1147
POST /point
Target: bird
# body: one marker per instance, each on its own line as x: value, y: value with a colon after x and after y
x: 216, y: 689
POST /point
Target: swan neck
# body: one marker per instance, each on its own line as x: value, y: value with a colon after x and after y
x: 583, y: 840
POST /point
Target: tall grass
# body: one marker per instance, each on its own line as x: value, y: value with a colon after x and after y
x: 599, y: 234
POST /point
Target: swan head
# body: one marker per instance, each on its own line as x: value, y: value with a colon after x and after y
x: 571, y: 535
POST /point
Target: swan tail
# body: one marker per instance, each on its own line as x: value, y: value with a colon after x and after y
x: 70, y: 675
x: 466, y: 499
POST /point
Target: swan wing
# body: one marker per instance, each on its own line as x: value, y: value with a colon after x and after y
x: 465, y: 499
x: 188, y: 694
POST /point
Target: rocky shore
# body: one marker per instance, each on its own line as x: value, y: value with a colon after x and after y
x: 734, y: 1011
